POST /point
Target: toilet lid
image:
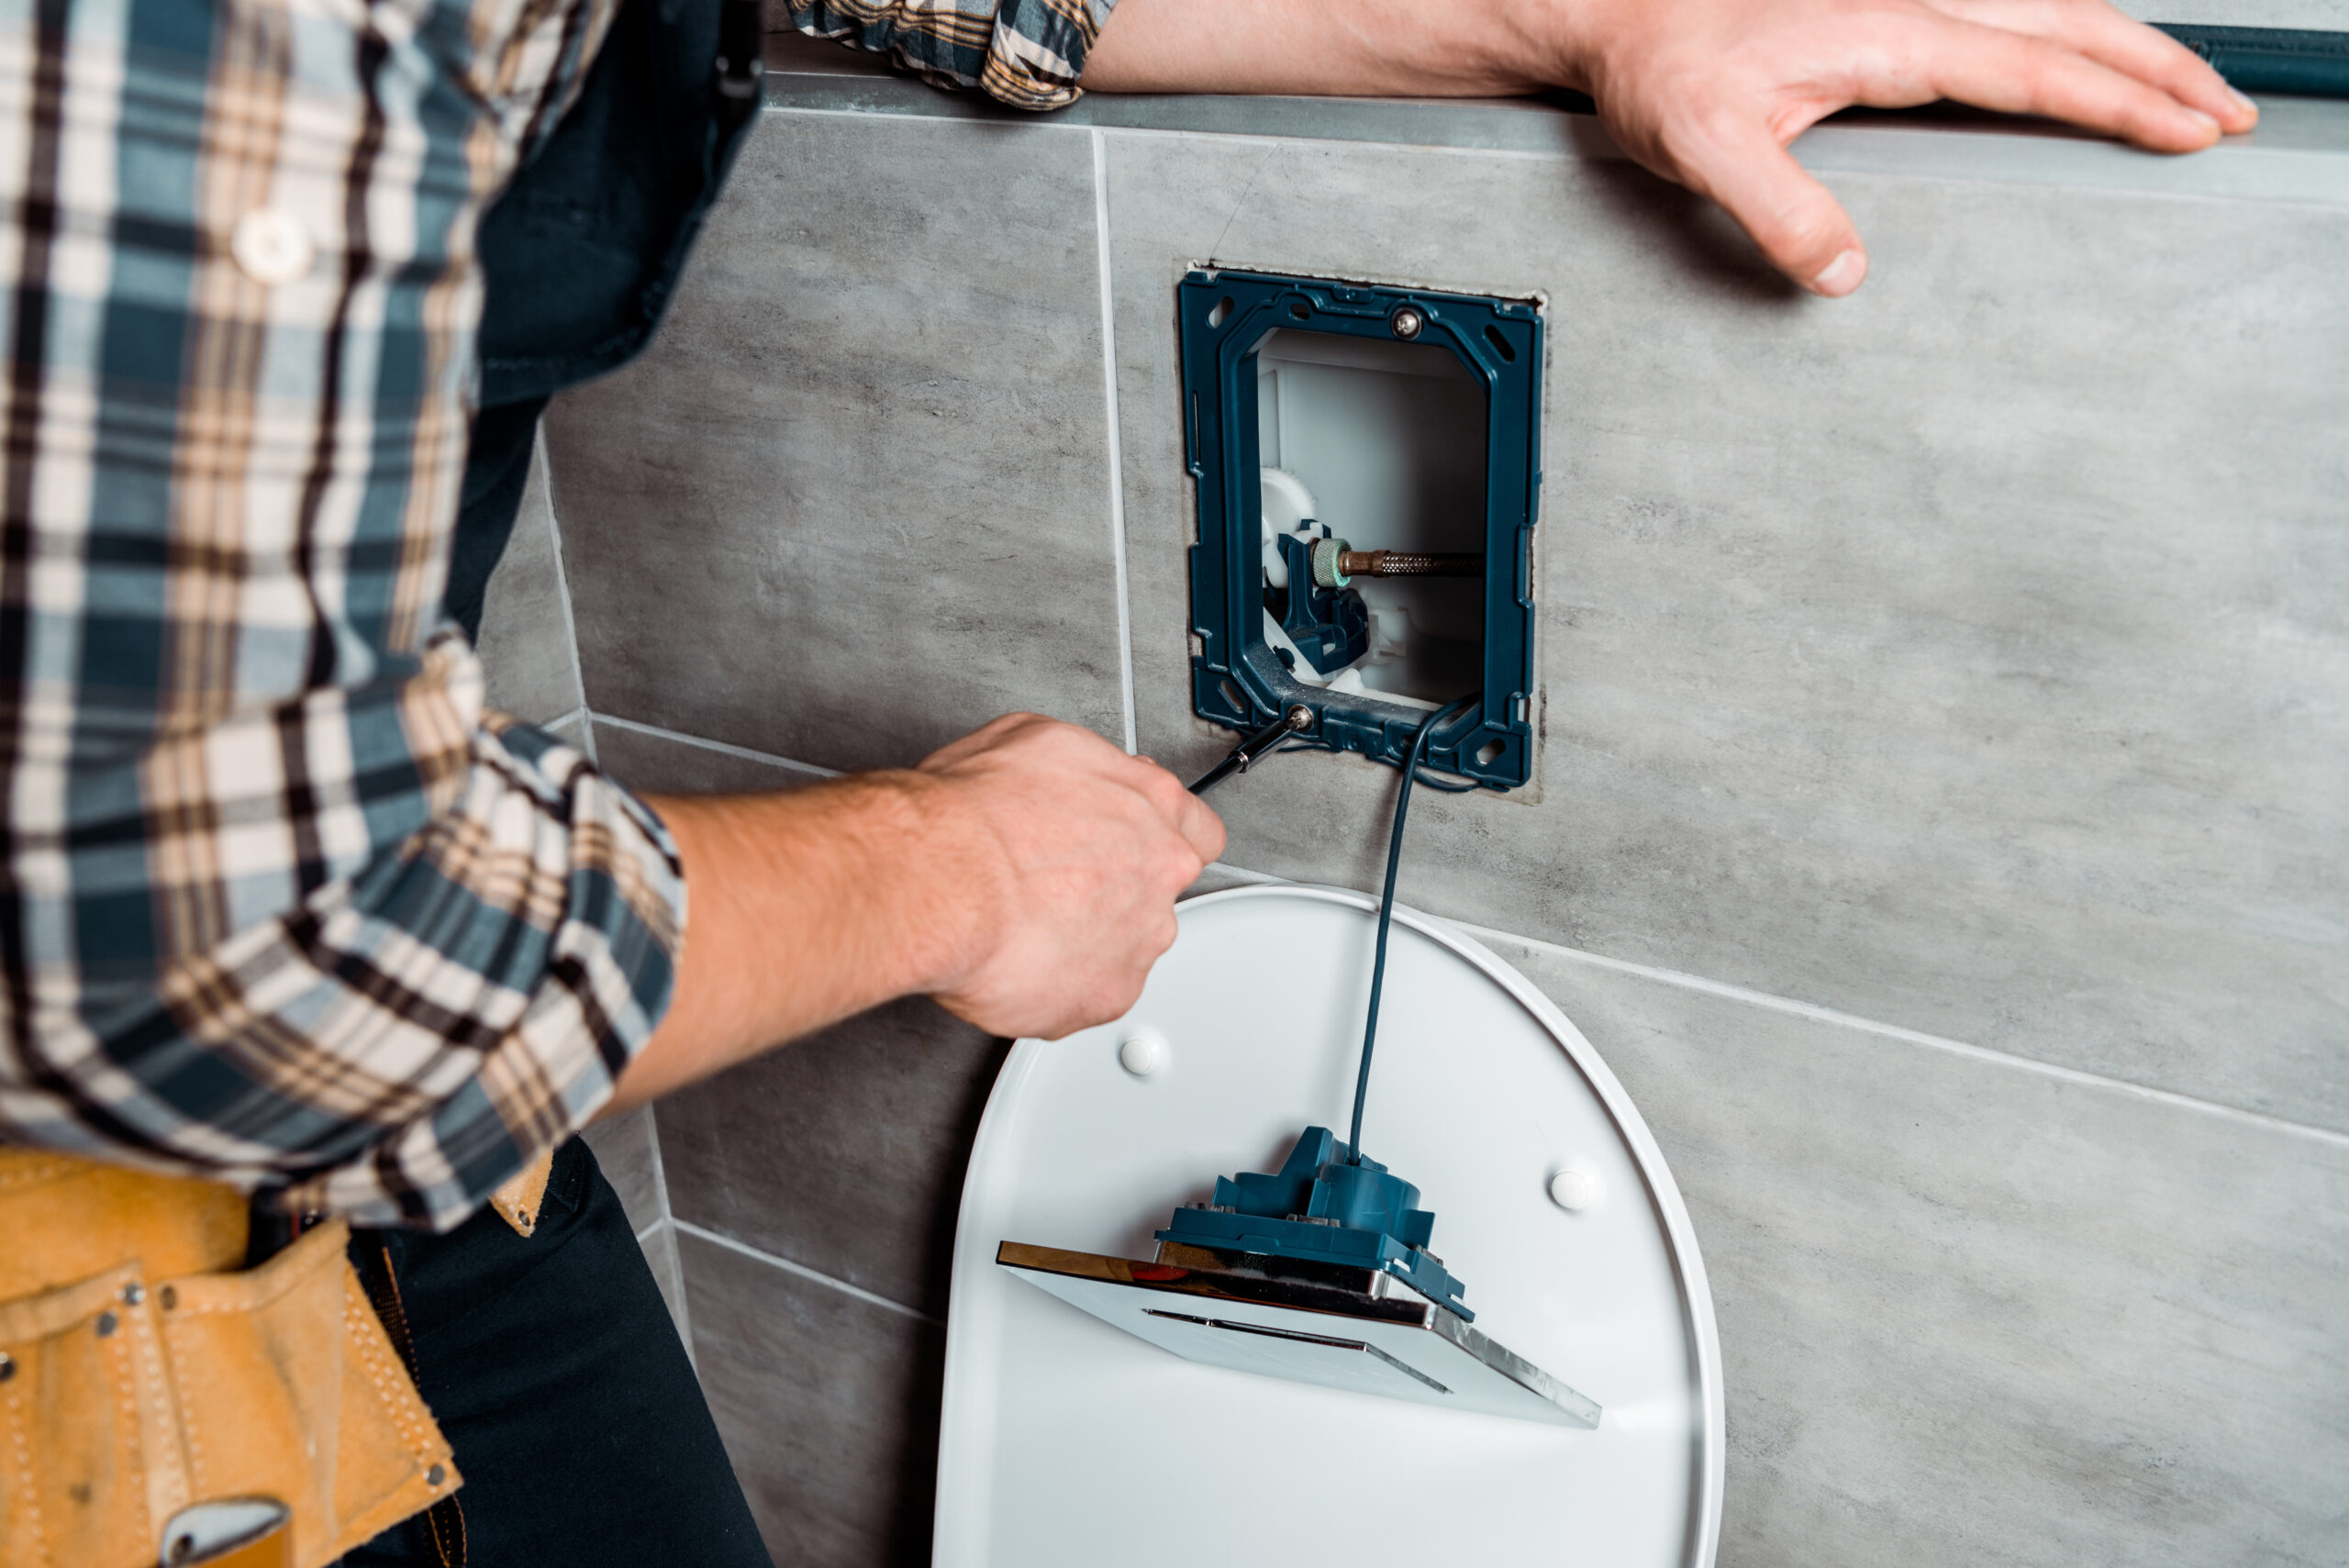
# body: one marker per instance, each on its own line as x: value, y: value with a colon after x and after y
x: 1065, y: 1442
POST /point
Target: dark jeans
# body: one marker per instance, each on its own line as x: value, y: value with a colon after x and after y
x: 553, y: 1365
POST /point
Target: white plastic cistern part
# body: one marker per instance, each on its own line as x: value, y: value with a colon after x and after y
x: 1572, y: 1190
x: 1143, y: 1051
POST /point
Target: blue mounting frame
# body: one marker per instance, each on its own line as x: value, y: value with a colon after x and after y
x: 1236, y: 680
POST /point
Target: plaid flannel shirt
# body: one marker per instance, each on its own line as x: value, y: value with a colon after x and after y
x: 1029, y: 54
x: 281, y: 903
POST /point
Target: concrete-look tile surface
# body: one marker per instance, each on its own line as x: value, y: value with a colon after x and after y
x: 675, y: 765
x: 623, y: 1146
x: 2316, y: 15
x: 1973, y: 1312
x: 1971, y: 653
x: 843, y: 1152
x: 854, y: 503
x: 661, y: 1257
x: 828, y: 1407
x: 524, y: 637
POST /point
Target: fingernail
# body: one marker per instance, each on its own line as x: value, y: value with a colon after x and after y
x: 1842, y: 275
x: 2210, y: 120
x: 2245, y: 104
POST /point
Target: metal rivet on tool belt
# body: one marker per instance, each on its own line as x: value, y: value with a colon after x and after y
x: 107, y: 1324
x: 133, y: 1294
x: 434, y: 1476
x: 168, y: 1296
x: 7, y: 1366
x: 1406, y: 322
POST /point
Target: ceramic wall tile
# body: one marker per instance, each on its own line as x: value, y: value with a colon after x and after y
x: 623, y: 1146
x: 828, y: 1407
x: 524, y: 637
x: 661, y: 1256
x: 2316, y: 15
x: 854, y: 502
x: 843, y: 1152
x: 1973, y: 1312
x: 655, y: 762
x: 1969, y: 653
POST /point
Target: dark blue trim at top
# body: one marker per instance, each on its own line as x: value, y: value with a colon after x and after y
x: 2271, y: 60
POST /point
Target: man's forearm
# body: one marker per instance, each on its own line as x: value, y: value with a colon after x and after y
x: 802, y: 909
x: 1024, y: 877
x: 1369, y: 49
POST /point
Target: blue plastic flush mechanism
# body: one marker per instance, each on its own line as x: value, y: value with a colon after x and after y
x: 1397, y: 423
x: 1319, y: 1209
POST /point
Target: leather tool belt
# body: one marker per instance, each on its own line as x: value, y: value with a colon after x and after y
x: 146, y: 1377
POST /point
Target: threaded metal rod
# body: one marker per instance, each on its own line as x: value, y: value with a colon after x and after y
x: 1407, y: 563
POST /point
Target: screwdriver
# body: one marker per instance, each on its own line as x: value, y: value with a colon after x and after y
x: 1295, y: 721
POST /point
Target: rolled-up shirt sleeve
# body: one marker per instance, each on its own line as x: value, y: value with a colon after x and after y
x: 284, y: 904
x: 1027, y: 53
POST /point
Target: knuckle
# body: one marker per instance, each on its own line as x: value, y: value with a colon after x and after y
x: 1178, y: 866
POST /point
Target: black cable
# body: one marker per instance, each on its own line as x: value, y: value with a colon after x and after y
x: 1387, y: 903
x: 1445, y: 787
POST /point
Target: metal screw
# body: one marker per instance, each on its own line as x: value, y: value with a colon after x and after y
x: 1299, y: 717
x: 133, y: 1294
x: 7, y: 1366
x: 1406, y: 321
x: 107, y: 1324
x: 434, y: 1476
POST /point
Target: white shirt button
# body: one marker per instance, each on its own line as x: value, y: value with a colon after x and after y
x: 271, y: 247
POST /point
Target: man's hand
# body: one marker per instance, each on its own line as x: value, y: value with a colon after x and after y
x: 1076, y: 852
x: 1708, y: 92
x: 1025, y: 876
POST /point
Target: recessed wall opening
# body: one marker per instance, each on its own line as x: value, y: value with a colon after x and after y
x: 1368, y: 464
x: 1378, y: 447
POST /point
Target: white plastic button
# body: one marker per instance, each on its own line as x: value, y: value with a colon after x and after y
x: 1143, y: 1053
x: 1573, y: 1190
x: 271, y: 247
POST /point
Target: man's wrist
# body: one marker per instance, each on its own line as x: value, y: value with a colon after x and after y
x: 939, y: 876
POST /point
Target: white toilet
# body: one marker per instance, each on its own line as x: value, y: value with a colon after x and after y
x: 1067, y: 1442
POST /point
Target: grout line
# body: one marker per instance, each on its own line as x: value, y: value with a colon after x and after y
x: 681, y: 1314
x: 1817, y: 1014
x: 660, y: 1166
x: 669, y: 1218
x: 1254, y: 878
x: 686, y: 1227
x: 1116, y: 453
x: 563, y: 588
x: 732, y: 751
x: 578, y: 716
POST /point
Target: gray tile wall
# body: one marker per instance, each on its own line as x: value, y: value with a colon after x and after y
x: 856, y: 505
x: 532, y: 664
x: 526, y: 644
x: 1939, y: 825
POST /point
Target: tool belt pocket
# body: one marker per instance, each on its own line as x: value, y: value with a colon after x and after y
x: 126, y: 1399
